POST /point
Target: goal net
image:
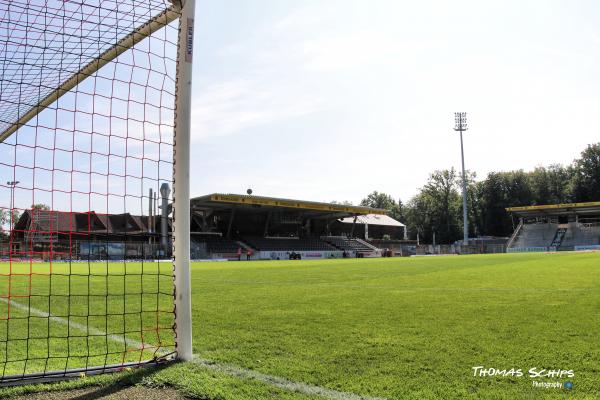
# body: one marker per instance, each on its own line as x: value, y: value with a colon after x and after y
x: 94, y: 155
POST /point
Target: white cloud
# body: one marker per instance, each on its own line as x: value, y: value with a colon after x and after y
x: 229, y: 107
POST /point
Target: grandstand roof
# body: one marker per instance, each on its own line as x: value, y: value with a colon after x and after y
x: 220, y: 201
x: 373, y: 219
x: 556, y: 209
x: 46, y: 221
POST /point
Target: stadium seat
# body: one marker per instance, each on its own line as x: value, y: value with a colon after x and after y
x: 287, y: 244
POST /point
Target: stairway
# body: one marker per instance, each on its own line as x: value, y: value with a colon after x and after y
x: 558, y: 237
x: 367, y: 244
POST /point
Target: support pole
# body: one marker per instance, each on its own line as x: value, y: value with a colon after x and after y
x: 464, y: 193
x: 150, y: 227
x: 181, y: 183
x: 231, y: 217
x: 266, y: 230
x: 460, y: 120
x: 165, y: 191
x: 353, y: 226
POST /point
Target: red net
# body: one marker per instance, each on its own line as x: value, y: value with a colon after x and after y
x: 87, y: 144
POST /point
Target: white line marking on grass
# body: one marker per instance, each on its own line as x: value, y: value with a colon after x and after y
x: 75, y: 325
x: 282, y: 383
x: 232, y: 370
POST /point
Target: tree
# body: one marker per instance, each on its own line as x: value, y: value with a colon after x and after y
x: 435, y: 208
x: 475, y: 204
x: 40, y: 206
x: 385, y: 202
x: 379, y: 200
x: 550, y: 185
x: 540, y: 186
x: 8, y: 220
x: 586, y: 175
x: 418, y: 220
x: 444, y: 203
x: 5, y: 216
x: 399, y: 213
x: 560, y: 182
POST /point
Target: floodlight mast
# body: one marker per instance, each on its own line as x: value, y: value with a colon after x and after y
x: 460, y: 125
x: 13, y: 185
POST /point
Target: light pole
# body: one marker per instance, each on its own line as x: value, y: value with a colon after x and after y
x: 460, y: 125
x: 11, y: 214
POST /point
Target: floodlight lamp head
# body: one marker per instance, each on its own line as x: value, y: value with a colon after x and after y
x: 460, y: 121
x: 165, y: 190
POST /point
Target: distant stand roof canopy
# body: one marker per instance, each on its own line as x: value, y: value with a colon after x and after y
x: 219, y: 201
x: 373, y: 219
x: 589, y: 208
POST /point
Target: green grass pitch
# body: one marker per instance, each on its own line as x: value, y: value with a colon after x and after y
x: 392, y: 328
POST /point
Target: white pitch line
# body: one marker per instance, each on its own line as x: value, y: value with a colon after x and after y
x: 232, y: 370
x: 75, y: 325
x: 282, y: 383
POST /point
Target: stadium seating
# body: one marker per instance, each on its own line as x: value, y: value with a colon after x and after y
x: 217, y: 243
x: 535, y: 235
x: 344, y: 243
x: 590, y: 234
x: 287, y: 244
x: 581, y: 235
x: 563, y: 237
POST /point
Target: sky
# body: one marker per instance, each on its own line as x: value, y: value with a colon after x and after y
x: 324, y: 100
x: 332, y: 99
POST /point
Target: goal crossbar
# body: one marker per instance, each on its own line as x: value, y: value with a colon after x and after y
x: 143, y: 31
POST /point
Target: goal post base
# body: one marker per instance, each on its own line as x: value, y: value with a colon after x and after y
x: 79, y: 373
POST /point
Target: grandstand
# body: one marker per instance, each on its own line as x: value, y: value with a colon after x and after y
x: 222, y: 227
x: 58, y: 235
x: 225, y: 225
x: 558, y: 227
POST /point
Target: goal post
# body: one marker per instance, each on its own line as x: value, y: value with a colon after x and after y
x: 95, y: 101
x: 181, y: 184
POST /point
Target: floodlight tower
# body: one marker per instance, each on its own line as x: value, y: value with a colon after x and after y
x: 13, y: 185
x: 460, y: 125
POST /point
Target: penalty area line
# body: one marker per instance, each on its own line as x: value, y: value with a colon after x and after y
x: 227, y: 369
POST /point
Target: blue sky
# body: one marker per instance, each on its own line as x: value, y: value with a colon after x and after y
x: 321, y: 100
x: 330, y: 100
x: 128, y: 105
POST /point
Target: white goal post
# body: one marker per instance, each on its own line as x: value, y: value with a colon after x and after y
x: 95, y: 104
x: 181, y: 184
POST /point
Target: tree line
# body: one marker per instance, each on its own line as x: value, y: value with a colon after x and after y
x: 437, y: 206
x: 12, y: 216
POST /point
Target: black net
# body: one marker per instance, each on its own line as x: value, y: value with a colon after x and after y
x: 87, y: 98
